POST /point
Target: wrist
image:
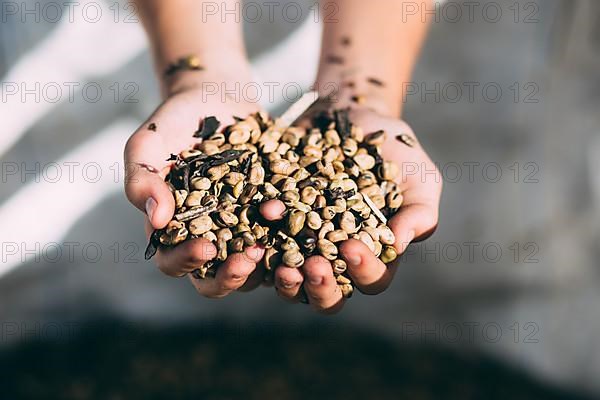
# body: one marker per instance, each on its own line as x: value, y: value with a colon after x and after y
x: 217, y: 72
x: 355, y: 89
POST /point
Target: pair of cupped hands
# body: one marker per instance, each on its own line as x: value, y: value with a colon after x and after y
x: 177, y: 118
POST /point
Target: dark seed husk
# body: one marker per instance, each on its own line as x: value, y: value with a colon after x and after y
x: 207, y: 128
x: 195, y: 213
x: 342, y: 122
x: 153, y: 244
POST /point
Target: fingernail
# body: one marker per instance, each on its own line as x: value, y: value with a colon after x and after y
x: 287, y: 285
x: 236, y: 277
x: 354, y: 260
x: 253, y: 254
x: 150, y: 207
x: 315, y: 280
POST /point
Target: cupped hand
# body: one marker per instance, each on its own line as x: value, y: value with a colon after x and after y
x: 421, y: 186
x: 169, y: 130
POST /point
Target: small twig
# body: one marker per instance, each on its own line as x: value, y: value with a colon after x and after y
x: 194, y: 213
x: 374, y: 208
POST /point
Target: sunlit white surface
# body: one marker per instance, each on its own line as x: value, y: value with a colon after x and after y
x: 73, y: 53
x: 66, y: 200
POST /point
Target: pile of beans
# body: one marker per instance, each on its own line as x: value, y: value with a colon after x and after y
x: 331, y: 177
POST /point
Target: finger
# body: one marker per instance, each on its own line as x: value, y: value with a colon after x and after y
x: 145, y: 186
x: 413, y: 222
x: 417, y: 218
x: 235, y: 270
x: 322, y: 290
x: 255, y: 279
x: 272, y: 210
x: 231, y: 275
x: 186, y: 257
x: 370, y: 275
x: 288, y: 281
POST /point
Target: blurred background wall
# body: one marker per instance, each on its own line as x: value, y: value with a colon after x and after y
x: 505, y: 98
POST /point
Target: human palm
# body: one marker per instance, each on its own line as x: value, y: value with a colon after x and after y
x: 169, y: 131
x: 421, y: 186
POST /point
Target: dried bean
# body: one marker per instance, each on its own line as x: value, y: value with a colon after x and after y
x: 293, y: 259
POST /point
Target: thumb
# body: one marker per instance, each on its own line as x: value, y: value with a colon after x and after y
x: 148, y: 192
x: 413, y: 222
x: 144, y: 183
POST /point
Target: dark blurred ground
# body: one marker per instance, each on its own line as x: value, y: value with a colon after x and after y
x: 219, y: 360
